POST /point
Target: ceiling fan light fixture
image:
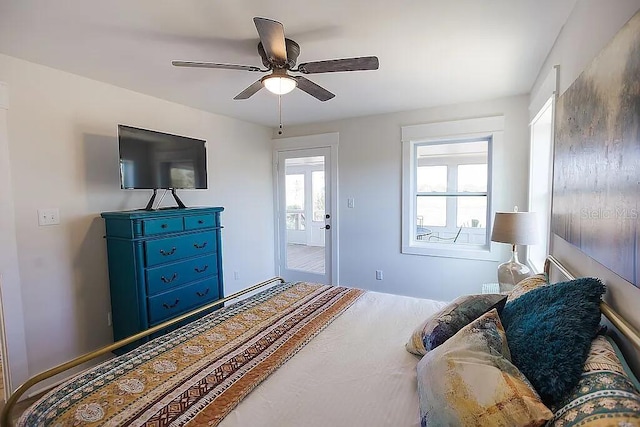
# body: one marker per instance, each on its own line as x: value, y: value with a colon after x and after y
x: 279, y: 85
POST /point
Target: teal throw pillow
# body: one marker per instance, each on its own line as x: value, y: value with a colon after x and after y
x: 549, y: 331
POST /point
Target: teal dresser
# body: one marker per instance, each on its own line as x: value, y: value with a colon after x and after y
x: 161, y: 264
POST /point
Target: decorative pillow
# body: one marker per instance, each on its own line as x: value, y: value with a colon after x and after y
x: 450, y: 319
x: 528, y: 284
x: 470, y: 381
x: 549, y: 331
x: 604, y: 396
x: 627, y: 370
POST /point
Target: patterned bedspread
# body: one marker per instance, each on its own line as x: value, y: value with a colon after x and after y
x: 197, y: 374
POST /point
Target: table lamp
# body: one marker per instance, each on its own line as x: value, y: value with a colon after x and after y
x: 515, y: 228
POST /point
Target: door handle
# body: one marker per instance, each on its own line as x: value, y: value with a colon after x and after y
x: 326, y: 227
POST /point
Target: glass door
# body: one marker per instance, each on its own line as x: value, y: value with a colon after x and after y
x: 304, y: 215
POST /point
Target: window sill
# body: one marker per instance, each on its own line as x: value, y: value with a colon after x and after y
x: 481, y: 253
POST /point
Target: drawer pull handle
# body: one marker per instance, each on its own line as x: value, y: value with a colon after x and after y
x: 200, y: 221
x: 201, y: 294
x: 164, y: 225
x: 167, y: 306
x: 201, y: 270
x: 197, y: 246
x: 165, y: 280
x: 171, y: 252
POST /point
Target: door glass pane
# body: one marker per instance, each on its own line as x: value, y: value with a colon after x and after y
x: 295, y: 192
x: 317, y: 184
x: 295, y: 221
x: 305, y: 221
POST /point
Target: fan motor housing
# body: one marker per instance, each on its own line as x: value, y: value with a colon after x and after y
x: 293, y: 51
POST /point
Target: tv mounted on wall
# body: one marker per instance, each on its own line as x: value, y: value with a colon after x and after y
x: 155, y: 161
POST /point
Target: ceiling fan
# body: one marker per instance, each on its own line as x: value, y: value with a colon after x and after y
x: 279, y: 56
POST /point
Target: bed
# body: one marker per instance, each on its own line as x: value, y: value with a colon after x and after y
x: 344, y: 351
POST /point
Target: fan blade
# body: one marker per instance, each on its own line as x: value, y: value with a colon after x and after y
x: 335, y: 65
x: 272, y: 38
x: 197, y: 64
x: 250, y: 91
x: 313, y: 89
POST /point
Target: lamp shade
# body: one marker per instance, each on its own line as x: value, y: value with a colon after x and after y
x: 516, y: 228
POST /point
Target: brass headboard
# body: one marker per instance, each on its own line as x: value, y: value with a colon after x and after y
x: 616, y: 320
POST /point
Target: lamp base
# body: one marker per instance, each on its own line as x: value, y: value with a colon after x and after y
x: 511, y: 272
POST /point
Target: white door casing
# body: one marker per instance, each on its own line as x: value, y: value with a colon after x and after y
x: 300, y: 155
x: 16, y: 369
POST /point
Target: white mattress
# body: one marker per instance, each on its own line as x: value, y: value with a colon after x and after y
x: 354, y: 373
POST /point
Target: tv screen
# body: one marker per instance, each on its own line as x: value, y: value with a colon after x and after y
x: 156, y: 160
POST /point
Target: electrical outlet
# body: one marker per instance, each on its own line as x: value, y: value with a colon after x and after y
x: 350, y: 202
x: 109, y: 320
x: 48, y: 216
x: 236, y: 275
x: 378, y: 274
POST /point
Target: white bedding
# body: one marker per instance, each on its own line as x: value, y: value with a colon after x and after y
x: 354, y: 373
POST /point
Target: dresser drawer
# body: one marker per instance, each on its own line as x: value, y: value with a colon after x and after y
x: 170, y: 304
x: 160, y: 251
x: 160, y: 226
x: 196, y: 222
x: 166, y: 277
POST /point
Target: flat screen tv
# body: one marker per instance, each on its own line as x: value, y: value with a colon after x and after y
x: 154, y: 160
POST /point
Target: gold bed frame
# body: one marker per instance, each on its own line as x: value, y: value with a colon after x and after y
x: 623, y: 326
x: 616, y: 320
x: 5, y: 415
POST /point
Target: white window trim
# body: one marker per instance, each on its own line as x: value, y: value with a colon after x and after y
x: 541, y: 99
x: 546, y: 232
x: 484, y: 127
x: 330, y: 140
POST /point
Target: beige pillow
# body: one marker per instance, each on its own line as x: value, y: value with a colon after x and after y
x: 470, y: 381
x: 527, y: 285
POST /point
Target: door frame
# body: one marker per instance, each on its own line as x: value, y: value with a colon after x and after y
x: 15, y: 360
x: 325, y: 140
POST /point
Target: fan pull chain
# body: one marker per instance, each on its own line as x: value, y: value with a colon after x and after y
x: 280, y: 129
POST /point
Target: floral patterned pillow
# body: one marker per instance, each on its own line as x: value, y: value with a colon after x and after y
x: 470, y: 381
x: 604, y: 397
x: 453, y: 317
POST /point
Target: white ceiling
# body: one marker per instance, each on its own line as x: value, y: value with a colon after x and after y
x: 432, y: 52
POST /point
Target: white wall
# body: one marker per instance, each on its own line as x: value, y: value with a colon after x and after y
x: 370, y: 171
x: 63, y: 154
x: 591, y: 26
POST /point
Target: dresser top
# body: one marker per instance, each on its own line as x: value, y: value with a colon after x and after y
x: 160, y: 213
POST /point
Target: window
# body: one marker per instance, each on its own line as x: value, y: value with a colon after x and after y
x: 451, y: 191
x: 447, y: 188
x: 540, y: 162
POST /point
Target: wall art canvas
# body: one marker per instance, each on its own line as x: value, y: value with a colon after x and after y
x: 596, y: 186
